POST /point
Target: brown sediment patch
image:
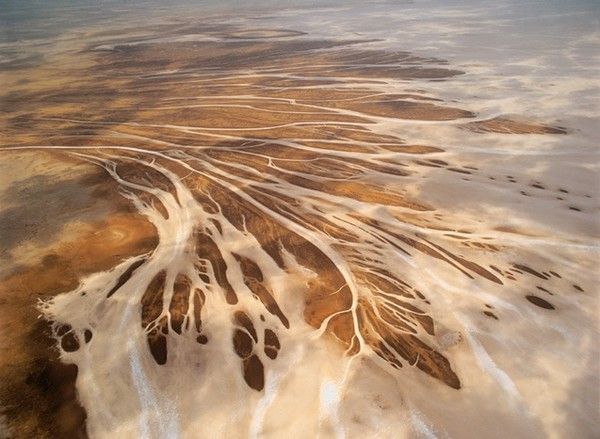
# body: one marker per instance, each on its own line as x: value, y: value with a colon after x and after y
x: 515, y: 230
x: 263, y: 33
x: 242, y: 343
x: 390, y: 106
x: 125, y: 276
x: 531, y: 271
x: 69, y: 342
x: 544, y: 290
x: 491, y: 314
x: 254, y: 372
x: 538, y: 301
x: 459, y: 171
x: 272, y: 344
x: 506, y: 125
x: 411, y: 149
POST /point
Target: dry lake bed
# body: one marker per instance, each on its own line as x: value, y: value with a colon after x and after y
x: 288, y: 219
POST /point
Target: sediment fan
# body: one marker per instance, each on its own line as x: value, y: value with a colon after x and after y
x: 283, y: 204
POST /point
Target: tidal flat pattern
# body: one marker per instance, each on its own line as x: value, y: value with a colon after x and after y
x: 260, y: 253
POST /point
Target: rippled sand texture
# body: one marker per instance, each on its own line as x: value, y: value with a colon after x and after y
x: 269, y: 255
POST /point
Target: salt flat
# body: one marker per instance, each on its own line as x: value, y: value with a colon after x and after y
x: 354, y: 220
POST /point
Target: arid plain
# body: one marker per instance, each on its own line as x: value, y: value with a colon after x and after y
x: 226, y: 227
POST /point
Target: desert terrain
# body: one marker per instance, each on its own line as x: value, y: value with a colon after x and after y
x: 248, y: 227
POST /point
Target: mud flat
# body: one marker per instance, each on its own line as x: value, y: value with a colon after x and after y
x: 220, y: 221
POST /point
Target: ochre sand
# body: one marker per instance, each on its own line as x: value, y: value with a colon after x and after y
x: 241, y: 235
